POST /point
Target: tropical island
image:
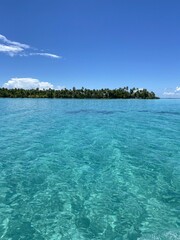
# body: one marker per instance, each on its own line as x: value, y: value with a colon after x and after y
x: 83, y: 93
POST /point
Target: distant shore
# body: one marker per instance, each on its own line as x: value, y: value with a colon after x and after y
x: 83, y: 93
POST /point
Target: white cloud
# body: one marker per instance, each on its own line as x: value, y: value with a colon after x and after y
x: 172, y: 92
x: 169, y: 93
x: 27, y: 83
x: 46, y: 55
x: 15, y: 48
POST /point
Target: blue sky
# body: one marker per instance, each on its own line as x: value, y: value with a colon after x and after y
x: 91, y: 43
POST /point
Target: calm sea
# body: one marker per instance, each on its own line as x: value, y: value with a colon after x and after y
x: 89, y: 169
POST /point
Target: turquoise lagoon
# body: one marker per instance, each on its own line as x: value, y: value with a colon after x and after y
x: 89, y: 169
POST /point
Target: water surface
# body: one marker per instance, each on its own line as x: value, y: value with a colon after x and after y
x: 89, y: 169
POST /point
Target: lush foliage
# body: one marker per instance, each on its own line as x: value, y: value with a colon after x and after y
x: 78, y: 93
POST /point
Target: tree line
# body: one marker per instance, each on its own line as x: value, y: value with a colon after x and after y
x: 104, y: 93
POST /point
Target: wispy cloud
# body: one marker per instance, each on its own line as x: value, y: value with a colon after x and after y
x: 10, y: 47
x: 10, y: 50
x: 13, y: 48
x: 7, y: 41
x: 46, y: 55
x: 172, y: 92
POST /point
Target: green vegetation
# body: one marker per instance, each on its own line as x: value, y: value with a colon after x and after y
x: 78, y: 93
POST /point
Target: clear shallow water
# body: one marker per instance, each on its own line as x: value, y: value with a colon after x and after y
x: 89, y: 169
